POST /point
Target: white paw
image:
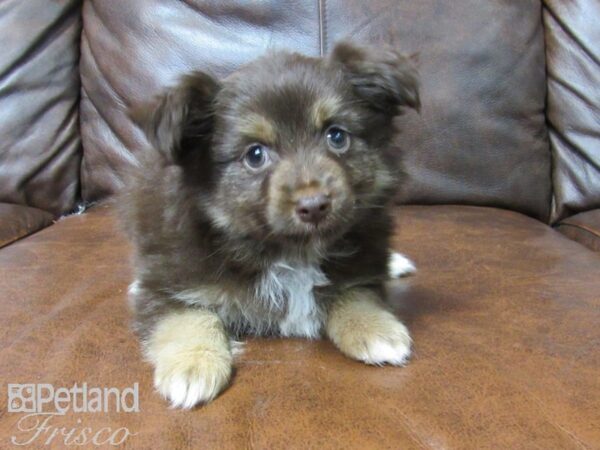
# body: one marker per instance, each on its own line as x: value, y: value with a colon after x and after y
x: 187, y: 384
x: 400, y: 266
x: 390, y: 348
x: 360, y: 326
x: 192, y: 357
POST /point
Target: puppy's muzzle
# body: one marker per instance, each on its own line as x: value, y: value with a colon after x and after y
x: 313, y: 208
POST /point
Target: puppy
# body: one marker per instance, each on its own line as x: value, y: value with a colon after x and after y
x: 264, y: 210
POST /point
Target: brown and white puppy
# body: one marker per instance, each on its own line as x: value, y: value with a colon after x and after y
x: 264, y: 210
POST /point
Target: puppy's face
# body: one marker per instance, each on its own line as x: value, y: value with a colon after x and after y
x: 289, y: 148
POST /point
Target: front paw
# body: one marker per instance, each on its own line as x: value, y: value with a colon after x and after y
x: 192, y: 377
x: 192, y: 359
x: 363, y: 330
x: 378, y: 347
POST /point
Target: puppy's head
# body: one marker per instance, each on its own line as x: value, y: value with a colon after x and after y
x: 289, y: 148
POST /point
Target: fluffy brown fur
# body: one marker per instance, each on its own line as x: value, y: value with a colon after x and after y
x: 264, y: 210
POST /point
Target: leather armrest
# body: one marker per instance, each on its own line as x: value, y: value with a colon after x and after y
x: 17, y: 221
x: 583, y: 228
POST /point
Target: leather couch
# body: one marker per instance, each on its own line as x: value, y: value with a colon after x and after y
x: 499, y: 208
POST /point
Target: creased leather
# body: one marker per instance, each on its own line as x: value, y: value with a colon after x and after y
x: 573, y: 56
x: 40, y: 147
x: 133, y: 50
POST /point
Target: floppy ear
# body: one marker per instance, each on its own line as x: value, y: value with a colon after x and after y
x: 385, y: 79
x: 181, y: 119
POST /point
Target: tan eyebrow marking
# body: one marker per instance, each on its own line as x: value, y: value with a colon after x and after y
x: 258, y: 127
x: 324, y: 109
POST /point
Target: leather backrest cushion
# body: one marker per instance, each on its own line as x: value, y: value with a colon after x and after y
x: 133, y: 50
x: 481, y: 135
x: 40, y: 148
x: 573, y: 53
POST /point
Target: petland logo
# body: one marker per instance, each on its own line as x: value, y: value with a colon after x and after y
x: 42, y: 403
x: 43, y: 398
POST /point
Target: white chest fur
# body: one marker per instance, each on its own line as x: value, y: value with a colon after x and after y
x: 289, y: 287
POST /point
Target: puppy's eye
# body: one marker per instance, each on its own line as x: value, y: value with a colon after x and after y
x: 338, y: 140
x: 257, y: 157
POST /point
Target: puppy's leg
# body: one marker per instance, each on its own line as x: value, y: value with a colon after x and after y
x: 361, y: 327
x: 400, y: 266
x: 192, y: 357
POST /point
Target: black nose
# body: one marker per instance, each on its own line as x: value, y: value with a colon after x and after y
x: 312, y: 209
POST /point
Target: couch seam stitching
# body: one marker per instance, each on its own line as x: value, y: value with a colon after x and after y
x: 322, y: 24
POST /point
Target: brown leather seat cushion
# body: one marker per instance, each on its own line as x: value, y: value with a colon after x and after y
x: 504, y: 313
x: 583, y: 228
x: 17, y: 221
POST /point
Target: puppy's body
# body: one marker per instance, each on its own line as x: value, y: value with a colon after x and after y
x: 264, y: 211
x: 284, y: 291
